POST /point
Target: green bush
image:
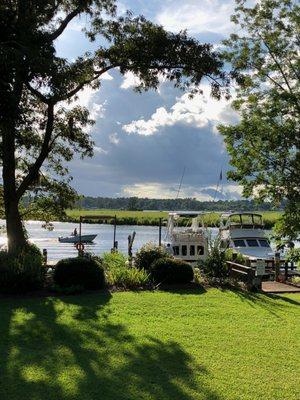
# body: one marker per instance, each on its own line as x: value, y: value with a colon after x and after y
x: 214, y: 266
x: 148, y: 254
x: 114, y: 260
x: 127, y: 278
x: 120, y: 274
x: 79, y: 271
x: 171, y: 270
x: 21, y: 271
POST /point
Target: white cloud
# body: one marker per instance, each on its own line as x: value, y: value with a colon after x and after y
x: 106, y: 76
x: 198, y: 16
x: 130, y: 80
x: 113, y: 138
x: 199, y: 111
x: 162, y: 191
x: 100, y: 150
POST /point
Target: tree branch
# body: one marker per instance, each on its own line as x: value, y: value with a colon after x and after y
x: 34, y: 169
x: 54, y: 35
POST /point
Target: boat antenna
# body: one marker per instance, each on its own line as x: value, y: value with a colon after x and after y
x: 180, y: 184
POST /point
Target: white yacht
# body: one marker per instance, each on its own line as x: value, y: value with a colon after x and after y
x: 244, y: 232
x: 189, y: 243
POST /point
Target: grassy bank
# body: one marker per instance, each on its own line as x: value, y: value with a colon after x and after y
x: 214, y: 345
x: 152, y: 218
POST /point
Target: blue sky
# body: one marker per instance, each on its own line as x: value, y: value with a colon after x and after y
x: 143, y: 141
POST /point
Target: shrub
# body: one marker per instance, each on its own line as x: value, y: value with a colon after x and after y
x: 148, y: 254
x: 114, y: 260
x: 171, y: 270
x: 215, y: 263
x: 127, y: 278
x: 79, y: 271
x: 21, y: 271
x: 293, y: 255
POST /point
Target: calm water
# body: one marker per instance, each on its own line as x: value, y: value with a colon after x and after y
x: 45, y: 239
x: 104, y: 241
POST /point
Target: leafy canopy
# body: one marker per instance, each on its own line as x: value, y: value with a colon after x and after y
x: 264, y: 145
x: 37, y: 87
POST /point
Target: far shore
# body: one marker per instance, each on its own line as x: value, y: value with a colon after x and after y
x: 152, y: 218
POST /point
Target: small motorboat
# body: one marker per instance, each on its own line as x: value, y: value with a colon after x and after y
x: 77, y: 239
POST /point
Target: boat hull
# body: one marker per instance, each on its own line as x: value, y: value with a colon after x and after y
x: 77, y: 239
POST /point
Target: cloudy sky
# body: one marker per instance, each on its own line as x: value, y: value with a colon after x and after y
x: 144, y: 141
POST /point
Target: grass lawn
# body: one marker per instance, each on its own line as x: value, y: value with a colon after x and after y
x: 166, y: 346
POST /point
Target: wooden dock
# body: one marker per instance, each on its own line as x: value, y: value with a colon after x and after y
x: 278, y: 287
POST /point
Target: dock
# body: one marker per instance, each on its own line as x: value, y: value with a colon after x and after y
x: 278, y: 287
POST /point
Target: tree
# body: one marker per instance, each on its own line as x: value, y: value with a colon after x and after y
x: 264, y: 145
x: 39, y: 133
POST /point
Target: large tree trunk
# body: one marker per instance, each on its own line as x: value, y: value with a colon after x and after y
x: 14, y: 226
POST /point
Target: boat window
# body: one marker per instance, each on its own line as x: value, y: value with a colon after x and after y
x: 264, y: 242
x: 239, y: 243
x: 176, y: 250
x: 252, y: 242
x: 200, y: 250
x: 192, y: 250
x: 184, y: 250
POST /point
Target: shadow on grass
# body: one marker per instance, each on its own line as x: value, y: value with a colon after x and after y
x: 69, y: 348
x: 270, y: 302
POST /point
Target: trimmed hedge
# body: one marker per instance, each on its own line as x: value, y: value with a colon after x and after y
x: 171, y: 271
x: 79, y: 271
x: 21, y: 271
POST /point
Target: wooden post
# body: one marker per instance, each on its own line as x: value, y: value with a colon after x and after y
x: 159, y: 232
x: 115, y: 246
x: 277, y: 266
x: 130, y: 244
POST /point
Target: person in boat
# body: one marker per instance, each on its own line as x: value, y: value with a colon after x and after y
x: 74, y: 232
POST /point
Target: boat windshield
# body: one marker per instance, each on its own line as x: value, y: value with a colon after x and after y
x: 264, y: 243
x: 252, y: 243
x: 239, y: 243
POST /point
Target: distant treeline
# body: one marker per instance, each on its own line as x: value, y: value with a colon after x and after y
x: 191, y: 204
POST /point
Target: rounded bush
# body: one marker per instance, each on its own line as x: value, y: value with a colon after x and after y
x: 148, y: 254
x: 21, y: 271
x: 79, y: 271
x: 171, y: 270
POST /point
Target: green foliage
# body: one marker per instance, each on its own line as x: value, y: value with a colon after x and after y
x: 264, y: 145
x: 21, y: 271
x: 114, y: 260
x: 36, y: 84
x: 214, y: 266
x: 149, y: 253
x: 293, y: 255
x: 79, y: 271
x: 120, y: 274
x: 231, y: 255
x: 171, y: 271
x: 127, y: 277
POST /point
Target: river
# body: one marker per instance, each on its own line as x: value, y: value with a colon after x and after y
x: 45, y: 239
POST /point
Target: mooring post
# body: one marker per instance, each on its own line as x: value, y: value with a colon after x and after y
x: 159, y: 232
x: 115, y: 232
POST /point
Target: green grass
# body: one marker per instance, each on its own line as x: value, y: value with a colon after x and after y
x: 214, y: 345
x: 152, y: 218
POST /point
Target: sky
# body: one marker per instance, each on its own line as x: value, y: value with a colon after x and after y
x: 143, y: 142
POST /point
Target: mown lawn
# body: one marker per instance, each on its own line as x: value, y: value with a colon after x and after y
x: 188, y: 345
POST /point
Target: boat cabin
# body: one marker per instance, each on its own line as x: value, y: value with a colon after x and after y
x: 244, y: 232
x: 185, y: 238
